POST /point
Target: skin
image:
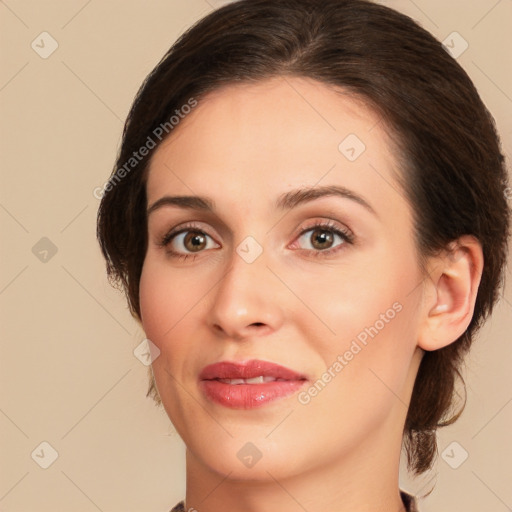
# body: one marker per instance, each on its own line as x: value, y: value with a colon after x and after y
x: 243, y: 146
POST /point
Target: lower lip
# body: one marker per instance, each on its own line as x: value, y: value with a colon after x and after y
x: 249, y: 396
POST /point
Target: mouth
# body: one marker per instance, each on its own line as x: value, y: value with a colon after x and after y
x: 254, y: 371
x: 254, y: 380
x: 249, y: 384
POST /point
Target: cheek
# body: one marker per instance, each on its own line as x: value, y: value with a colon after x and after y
x: 150, y: 297
x: 171, y: 304
x: 164, y: 306
x: 162, y: 302
x: 373, y: 318
x: 166, y: 297
x: 368, y: 291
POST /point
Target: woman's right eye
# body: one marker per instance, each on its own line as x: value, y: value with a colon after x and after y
x: 192, y: 240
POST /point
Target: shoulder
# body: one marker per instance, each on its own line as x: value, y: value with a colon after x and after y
x: 180, y: 507
x: 409, y: 502
x: 408, y: 499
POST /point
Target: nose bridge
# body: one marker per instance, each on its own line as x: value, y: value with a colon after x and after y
x: 245, y: 299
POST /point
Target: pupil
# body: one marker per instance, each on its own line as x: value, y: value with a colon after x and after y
x: 196, y: 239
x: 324, y: 237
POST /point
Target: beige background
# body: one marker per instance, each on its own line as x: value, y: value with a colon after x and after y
x: 68, y: 373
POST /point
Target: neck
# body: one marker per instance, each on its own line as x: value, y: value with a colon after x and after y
x: 365, y: 480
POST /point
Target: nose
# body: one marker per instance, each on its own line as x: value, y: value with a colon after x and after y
x: 247, y: 300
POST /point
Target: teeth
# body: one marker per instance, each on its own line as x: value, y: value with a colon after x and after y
x: 254, y: 380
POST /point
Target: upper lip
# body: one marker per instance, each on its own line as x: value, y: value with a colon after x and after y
x: 248, y: 370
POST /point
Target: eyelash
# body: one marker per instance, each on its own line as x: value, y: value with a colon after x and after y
x: 345, y: 234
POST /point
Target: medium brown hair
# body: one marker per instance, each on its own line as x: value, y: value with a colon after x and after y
x: 452, y: 168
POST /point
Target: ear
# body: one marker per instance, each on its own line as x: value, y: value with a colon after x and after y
x: 450, y: 291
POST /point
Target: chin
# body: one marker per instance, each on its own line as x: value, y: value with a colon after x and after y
x: 258, y: 460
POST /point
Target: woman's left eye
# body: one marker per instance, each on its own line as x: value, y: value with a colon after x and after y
x: 322, y: 238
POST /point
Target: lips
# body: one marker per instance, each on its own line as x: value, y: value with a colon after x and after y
x: 248, y: 385
x: 249, y: 370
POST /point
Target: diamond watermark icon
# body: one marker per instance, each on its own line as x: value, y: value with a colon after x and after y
x: 454, y: 455
x: 146, y: 352
x: 351, y: 147
x: 249, y: 455
x: 44, y: 250
x: 44, y: 455
x: 44, y: 45
x: 249, y: 249
x: 455, y: 44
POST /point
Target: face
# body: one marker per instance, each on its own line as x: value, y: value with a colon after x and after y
x: 325, y: 284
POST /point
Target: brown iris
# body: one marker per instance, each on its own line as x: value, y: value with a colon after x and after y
x: 322, y: 239
x: 196, y: 239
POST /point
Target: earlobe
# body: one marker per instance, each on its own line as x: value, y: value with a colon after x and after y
x: 452, y: 287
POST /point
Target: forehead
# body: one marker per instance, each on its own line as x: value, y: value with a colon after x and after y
x: 281, y: 133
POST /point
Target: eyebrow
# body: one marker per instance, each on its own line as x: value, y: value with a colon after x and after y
x: 286, y: 201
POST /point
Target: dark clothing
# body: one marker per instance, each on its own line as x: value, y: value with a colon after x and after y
x: 409, y: 502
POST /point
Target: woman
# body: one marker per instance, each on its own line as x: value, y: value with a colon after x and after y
x: 308, y: 216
